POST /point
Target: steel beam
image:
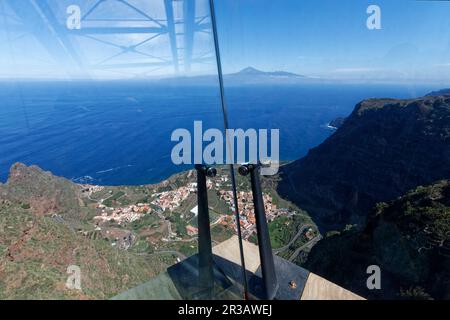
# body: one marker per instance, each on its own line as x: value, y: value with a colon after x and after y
x: 118, y: 30
x: 172, y: 35
x: 189, y: 29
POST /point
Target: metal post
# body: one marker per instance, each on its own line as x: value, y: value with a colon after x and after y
x: 206, y: 273
x: 265, y: 248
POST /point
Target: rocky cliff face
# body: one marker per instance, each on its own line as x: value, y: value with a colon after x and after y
x: 384, y: 148
x: 39, y: 239
x: 409, y: 239
x: 439, y: 92
x: 43, y: 192
x: 337, y: 123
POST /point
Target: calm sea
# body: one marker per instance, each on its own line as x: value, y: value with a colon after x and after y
x: 116, y: 133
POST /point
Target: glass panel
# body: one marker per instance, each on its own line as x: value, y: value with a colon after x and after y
x: 100, y: 93
x: 303, y: 67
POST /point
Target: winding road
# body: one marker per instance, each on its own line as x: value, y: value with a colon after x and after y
x: 174, y: 252
x: 299, y: 233
x: 309, y: 244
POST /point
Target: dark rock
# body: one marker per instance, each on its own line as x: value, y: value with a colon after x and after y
x: 337, y: 123
x: 406, y: 238
x: 384, y: 148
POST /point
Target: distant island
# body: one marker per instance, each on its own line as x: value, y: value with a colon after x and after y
x: 250, y: 71
x: 246, y: 76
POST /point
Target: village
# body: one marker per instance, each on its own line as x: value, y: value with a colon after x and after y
x: 245, y: 205
x: 169, y: 201
x: 247, y: 213
x: 122, y: 215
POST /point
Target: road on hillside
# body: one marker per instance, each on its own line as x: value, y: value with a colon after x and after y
x: 175, y: 253
x: 299, y: 233
x: 309, y: 245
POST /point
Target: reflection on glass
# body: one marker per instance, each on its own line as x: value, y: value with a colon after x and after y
x: 92, y: 91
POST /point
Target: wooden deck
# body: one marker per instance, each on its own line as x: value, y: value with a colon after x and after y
x: 315, y: 287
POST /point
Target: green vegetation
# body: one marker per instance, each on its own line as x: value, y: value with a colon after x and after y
x: 280, y: 232
x: 179, y: 224
x: 217, y: 205
x: 409, y: 238
x: 188, y: 248
x: 284, y: 228
x: 38, y: 250
x: 25, y: 206
x: 116, y: 196
x: 414, y: 293
x: 148, y: 220
x: 220, y: 233
x: 425, y: 207
x: 332, y: 233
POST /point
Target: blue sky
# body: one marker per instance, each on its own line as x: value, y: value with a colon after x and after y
x: 317, y: 38
x: 330, y: 38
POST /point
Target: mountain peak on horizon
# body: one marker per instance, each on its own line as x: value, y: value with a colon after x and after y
x: 253, y: 71
x: 250, y: 70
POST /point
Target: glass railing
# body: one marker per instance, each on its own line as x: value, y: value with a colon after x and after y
x: 170, y: 149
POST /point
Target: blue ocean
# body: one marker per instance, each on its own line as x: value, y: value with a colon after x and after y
x: 118, y: 133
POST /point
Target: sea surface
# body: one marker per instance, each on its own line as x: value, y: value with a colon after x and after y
x: 118, y: 133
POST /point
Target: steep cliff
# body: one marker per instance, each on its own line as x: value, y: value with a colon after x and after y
x: 383, y: 149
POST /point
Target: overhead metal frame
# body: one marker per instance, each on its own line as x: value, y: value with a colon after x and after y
x: 60, y: 42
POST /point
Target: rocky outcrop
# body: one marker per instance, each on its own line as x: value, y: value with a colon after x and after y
x: 43, y: 230
x: 439, y: 92
x: 42, y: 192
x: 337, y: 123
